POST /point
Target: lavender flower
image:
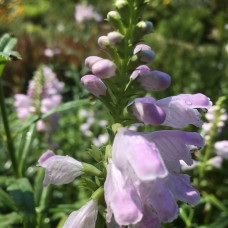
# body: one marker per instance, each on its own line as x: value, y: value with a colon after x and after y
x: 59, y: 169
x: 144, y: 53
x: 86, y: 216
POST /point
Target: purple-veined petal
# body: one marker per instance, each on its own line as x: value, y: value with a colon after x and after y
x: 182, y: 190
x: 121, y: 198
x: 163, y: 202
x: 85, y: 217
x: 173, y: 146
x: 181, y: 110
x: 132, y: 151
x: 59, y: 169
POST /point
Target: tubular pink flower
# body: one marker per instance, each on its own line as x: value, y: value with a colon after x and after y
x: 104, y: 68
x: 94, y: 85
x: 151, y: 80
x: 59, y: 169
x: 121, y: 198
x: 181, y: 109
x: 146, y: 110
x: 89, y: 61
x: 85, y: 217
x: 131, y: 151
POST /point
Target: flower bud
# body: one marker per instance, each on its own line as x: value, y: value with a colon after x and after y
x: 94, y: 85
x: 147, y: 111
x: 114, y: 19
x: 141, y: 29
x: 123, y: 9
x: 104, y: 68
x: 115, y: 38
x: 144, y: 53
x: 89, y: 61
x: 151, y: 80
x: 103, y: 42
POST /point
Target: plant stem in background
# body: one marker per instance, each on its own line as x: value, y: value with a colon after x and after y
x: 9, y: 140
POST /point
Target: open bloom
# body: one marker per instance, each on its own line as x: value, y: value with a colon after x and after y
x: 147, y: 166
x: 85, y: 217
x: 59, y: 169
x: 180, y: 110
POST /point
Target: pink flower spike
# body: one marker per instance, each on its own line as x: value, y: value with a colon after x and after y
x: 94, y: 85
x: 181, y: 109
x: 85, y: 217
x: 104, y: 68
x: 121, y: 198
x: 89, y: 61
x: 146, y: 110
x: 59, y: 169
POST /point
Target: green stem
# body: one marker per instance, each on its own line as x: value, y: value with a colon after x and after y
x: 10, y: 144
x: 28, y: 142
x: 42, y: 206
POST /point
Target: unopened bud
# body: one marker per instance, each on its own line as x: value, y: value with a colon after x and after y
x: 94, y: 85
x: 141, y: 29
x: 114, y: 19
x: 115, y: 38
x: 123, y: 9
x: 144, y: 53
x: 103, y: 42
x: 104, y: 68
x: 89, y: 61
x: 151, y: 80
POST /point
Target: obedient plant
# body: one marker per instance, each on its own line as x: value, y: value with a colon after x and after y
x: 138, y: 177
x: 43, y: 94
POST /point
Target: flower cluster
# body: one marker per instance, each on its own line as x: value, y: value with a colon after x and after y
x: 86, y: 13
x: 43, y: 94
x: 143, y: 177
x: 210, y: 116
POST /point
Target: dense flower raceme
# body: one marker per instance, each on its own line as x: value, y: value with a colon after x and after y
x: 43, y: 94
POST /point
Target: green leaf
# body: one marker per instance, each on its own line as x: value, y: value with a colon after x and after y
x: 217, y: 203
x: 21, y: 192
x: 65, y: 106
x: 7, y: 43
x: 6, y: 200
x: 9, y: 219
x: 87, y: 183
x: 221, y: 222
